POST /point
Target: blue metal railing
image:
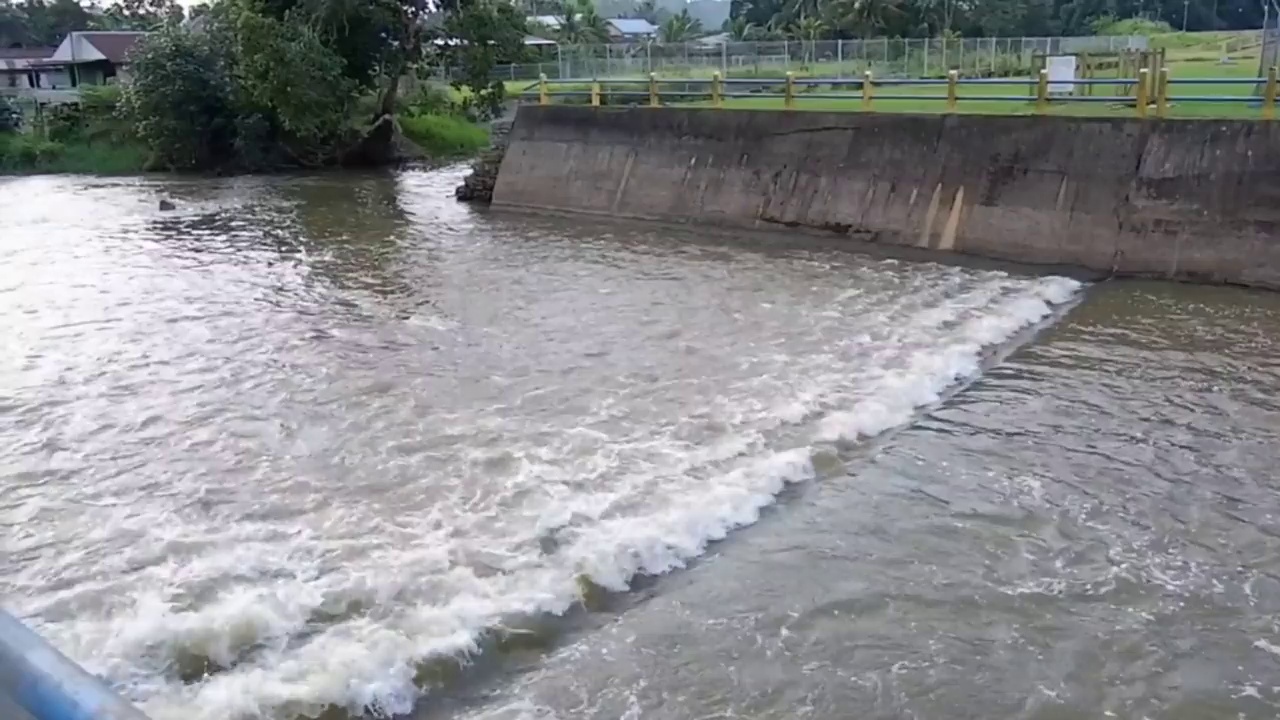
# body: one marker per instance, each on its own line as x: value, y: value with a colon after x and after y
x: 47, y: 685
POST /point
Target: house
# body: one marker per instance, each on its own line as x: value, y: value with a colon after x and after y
x: 630, y: 29
x: 712, y: 42
x: 17, y: 71
x: 92, y: 57
x: 550, y: 22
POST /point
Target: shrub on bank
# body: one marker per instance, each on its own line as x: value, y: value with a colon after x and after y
x: 32, y: 154
x: 444, y: 135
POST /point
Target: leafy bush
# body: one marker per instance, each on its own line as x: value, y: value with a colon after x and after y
x: 180, y: 100
x: 63, y: 122
x: 250, y: 92
x: 29, y: 153
x: 10, y: 117
x: 433, y: 99
x: 287, y: 75
x: 1109, y: 25
x: 25, y: 151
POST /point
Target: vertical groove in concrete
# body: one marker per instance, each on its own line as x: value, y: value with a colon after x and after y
x: 948, y: 241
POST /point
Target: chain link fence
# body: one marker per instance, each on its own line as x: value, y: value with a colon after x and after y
x: 884, y: 57
x: 1270, y: 37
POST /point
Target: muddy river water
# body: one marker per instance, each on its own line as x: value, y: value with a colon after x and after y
x: 336, y: 446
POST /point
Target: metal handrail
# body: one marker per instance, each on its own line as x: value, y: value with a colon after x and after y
x: 1146, y: 90
x: 48, y: 685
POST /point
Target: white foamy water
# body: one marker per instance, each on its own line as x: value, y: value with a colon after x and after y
x: 256, y: 483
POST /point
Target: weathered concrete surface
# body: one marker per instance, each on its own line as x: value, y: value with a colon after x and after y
x: 1195, y: 200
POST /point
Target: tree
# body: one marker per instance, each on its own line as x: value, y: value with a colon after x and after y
x: 143, y: 14
x: 286, y: 73
x: 50, y: 22
x: 864, y: 18
x: 742, y: 30
x: 680, y: 28
x: 15, y: 26
x: 809, y: 29
x: 647, y: 10
x: 10, y: 117
x: 181, y: 99
x: 474, y: 39
x: 580, y: 24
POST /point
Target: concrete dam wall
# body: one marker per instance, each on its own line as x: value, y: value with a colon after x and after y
x: 1192, y: 200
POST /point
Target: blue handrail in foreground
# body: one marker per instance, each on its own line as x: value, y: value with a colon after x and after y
x: 48, y: 685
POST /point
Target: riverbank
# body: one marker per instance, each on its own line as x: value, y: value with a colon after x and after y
x: 445, y: 136
x: 436, y: 137
x: 28, y: 154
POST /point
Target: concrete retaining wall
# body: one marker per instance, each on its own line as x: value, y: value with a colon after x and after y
x: 1196, y: 200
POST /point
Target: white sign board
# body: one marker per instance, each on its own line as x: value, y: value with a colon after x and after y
x: 1062, y: 74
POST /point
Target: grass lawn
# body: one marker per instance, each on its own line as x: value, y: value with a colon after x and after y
x: 444, y: 136
x: 21, y: 154
x: 1104, y: 102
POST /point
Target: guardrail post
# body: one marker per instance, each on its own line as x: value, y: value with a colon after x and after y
x: 653, y: 90
x: 867, y: 91
x: 1269, y: 96
x: 47, y: 684
x: 1042, y: 93
x: 595, y: 93
x: 717, y: 99
x: 1162, y: 93
x: 789, y: 92
x: 952, y: 77
x: 1144, y: 79
x: 542, y: 90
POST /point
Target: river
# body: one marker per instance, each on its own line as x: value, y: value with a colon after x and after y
x: 336, y: 445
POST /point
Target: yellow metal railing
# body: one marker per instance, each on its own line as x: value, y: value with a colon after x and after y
x: 1150, y: 94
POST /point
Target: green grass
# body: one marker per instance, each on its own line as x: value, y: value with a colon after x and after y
x: 444, y: 135
x: 1112, y: 105
x: 25, y: 154
x: 1112, y: 100
x: 1188, y: 56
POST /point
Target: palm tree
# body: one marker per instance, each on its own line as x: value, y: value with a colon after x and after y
x: 647, y: 10
x: 680, y: 28
x: 807, y: 30
x: 775, y: 28
x: 580, y: 24
x: 742, y: 31
x: 863, y: 17
x: 793, y: 10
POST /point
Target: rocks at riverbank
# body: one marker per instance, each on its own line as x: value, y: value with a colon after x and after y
x: 478, y: 185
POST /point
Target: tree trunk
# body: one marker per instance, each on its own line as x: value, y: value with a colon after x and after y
x: 387, y: 104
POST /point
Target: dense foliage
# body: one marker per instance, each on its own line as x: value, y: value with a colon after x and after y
x: 264, y: 84
x: 680, y: 28
x: 88, y: 137
x: 822, y: 19
x: 250, y: 85
x: 10, y: 117
x: 47, y: 22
